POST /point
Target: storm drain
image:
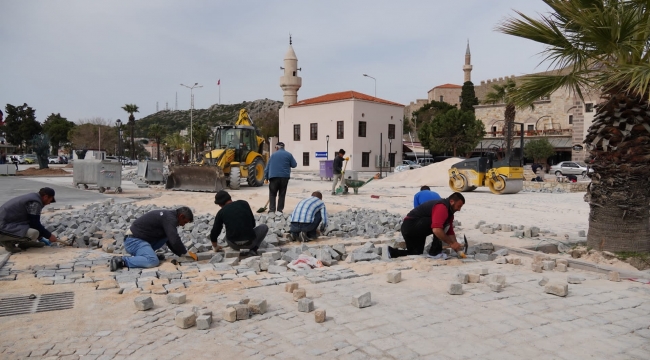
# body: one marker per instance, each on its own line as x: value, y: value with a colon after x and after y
x: 36, y: 303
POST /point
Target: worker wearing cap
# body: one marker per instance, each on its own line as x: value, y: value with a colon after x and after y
x: 337, y: 169
x: 433, y: 217
x: 20, y: 221
x: 237, y: 217
x: 278, y: 172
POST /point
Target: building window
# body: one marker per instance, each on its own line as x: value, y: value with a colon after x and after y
x: 305, y: 159
x: 441, y: 98
x: 296, y: 132
x: 294, y: 73
x: 589, y: 107
x: 531, y: 127
x: 365, y: 159
x: 339, y: 129
x: 362, y: 129
x: 391, y: 131
x: 570, y: 119
x: 313, y: 131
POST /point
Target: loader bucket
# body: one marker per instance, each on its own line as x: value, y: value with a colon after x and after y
x: 196, y: 178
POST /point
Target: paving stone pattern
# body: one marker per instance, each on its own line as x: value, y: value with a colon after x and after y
x: 415, y: 318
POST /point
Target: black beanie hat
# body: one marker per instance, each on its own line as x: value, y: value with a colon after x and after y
x: 221, y: 197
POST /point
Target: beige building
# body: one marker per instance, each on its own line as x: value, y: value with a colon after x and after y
x: 366, y: 127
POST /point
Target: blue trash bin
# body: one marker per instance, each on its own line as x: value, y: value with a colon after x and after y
x: 326, y: 169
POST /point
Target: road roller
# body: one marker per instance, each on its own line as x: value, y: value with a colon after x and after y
x: 501, y: 176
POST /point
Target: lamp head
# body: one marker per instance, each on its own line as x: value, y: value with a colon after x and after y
x: 327, y: 137
x: 196, y: 84
x: 118, y: 122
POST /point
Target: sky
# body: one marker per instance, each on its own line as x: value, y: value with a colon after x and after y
x: 86, y: 59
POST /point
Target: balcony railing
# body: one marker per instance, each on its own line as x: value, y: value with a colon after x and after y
x: 547, y: 132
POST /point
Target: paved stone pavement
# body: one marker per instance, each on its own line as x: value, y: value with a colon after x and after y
x: 415, y: 318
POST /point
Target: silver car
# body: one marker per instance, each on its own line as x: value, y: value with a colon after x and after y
x: 570, y: 168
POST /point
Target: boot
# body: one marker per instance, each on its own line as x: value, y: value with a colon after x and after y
x: 117, y: 262
x: 11, y: 247
x: 30, y: 244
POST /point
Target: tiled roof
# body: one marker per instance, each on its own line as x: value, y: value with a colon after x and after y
x: 340, y: 96
x: 448, y: 86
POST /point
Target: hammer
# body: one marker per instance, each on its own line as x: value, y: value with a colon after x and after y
x: 461, y: 253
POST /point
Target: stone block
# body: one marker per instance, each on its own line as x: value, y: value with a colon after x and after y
x: 275, y: 255
x: 216, y: 258
x: 518, y: 233
x: 560, y: 268
x: 557, y: 289
x: 231, y: 254
x: 482, y: 257
x: 473, y: 278
x: 306, y: 305
x: 203, y: 322
x: 516, y: 261
x: 299, y: 294
x: 257, y: 306
x: 544, y: 281
x: 176, y: 298
x: 185, y: 319
x: 290, y: 287
x: 562, y: 261
x: 495, y: 286
x: 572, y: 279
x: 497, y: 278
x: 501, y: 252
x: 462, y: 278
x: 243, y: 313
x: 501, y: 260
x: 482, y: 271
x: 394, y: 276
x: 320, y: 315
x: 614, y: 276
x: 548, y: 265
x: 536, y: 268
x: 362, y: 300
x: 455, y: 288
x: 143, y: 303
x: 275, y: 269
x: 230, y: 314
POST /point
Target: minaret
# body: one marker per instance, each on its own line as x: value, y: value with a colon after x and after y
x: 467, y: 68
x: 290, y: 82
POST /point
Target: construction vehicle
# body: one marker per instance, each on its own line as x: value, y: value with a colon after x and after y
x: 238, y: 153
x: 501, y: 176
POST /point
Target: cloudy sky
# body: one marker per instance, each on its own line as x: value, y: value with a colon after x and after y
x: 86, y: 59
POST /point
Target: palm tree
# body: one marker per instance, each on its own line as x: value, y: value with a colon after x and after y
x: 602, y: 45
x: 502, y: 94
x: 157, y: 132
x: 131, y: 108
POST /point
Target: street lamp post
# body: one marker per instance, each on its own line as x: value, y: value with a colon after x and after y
x: 196, y: 85
x: 366, y: 75
x: 119, y: 140
x: 390, y: 153
x: 327, y: 150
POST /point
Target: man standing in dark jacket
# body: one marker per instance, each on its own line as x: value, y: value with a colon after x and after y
x: 149, y: 233
x: 337, y: 168
x: 432, y: 217
x: 241, y: 232
x: 278, y: 172
x: 20, y: 221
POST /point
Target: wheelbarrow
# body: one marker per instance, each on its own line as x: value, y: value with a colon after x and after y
x: 356, y: 184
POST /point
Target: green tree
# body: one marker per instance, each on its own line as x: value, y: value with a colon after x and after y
x: 57, y: 129
x: 602, y: 45
x: 268, y: 124
x: 157, y: 132
x: 428, y: 112
x: 468, y: 97
x: 407, y: 127
x: 539, y: 150
x: 455, y: 131
x: 21, y: 125
x: 93, y: 134
x: 503, y: 94
x: 41, y: 146
x: 201, y: 134
x: 131, y: 109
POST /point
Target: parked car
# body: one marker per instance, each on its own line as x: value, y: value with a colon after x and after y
x: 411, y: 164
x: 111, y: 159
x: 127, y: 161
x: 29, y: 159
x: 570, y: 168
x: 425, y: 162
x: 63, y: 159
x: 53, y: 160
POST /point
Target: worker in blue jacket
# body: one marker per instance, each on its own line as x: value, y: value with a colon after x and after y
x: 425, y: 194
x: 277, y: 173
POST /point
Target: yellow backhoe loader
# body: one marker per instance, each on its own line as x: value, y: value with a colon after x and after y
x: 505, y: 176
x: 238, y: 153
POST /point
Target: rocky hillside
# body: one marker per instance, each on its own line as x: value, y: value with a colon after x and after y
x: 176, y: 120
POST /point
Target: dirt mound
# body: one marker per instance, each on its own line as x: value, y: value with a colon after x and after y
x: 42, y: 172
x: 432, y: 175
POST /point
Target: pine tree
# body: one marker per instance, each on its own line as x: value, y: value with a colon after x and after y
x: 468, y: 97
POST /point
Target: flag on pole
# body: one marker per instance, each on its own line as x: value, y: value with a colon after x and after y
x: 219, y: 82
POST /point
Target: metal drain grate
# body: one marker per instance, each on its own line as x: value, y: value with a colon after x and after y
x: 20, y: 305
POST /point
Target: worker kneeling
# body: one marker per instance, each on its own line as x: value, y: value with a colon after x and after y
x: 149, y: 233
x: 305, y: 218
x: 241, y: 232
x: 432, y: 217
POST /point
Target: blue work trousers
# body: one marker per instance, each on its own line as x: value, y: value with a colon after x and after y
x: 143, y: 253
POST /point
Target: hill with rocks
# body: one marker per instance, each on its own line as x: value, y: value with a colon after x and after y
x: 176, y: 120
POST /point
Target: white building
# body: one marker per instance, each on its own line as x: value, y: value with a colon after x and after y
x: 364, y: 126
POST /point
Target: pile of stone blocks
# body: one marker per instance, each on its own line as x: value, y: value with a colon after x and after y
x: 244, y: 309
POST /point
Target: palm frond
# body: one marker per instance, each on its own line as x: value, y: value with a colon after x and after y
x: 534, y: 87
x: 634, y: 79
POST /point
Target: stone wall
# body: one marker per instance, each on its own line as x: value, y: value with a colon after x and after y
x: 553, y: 186
x: 449, y: 95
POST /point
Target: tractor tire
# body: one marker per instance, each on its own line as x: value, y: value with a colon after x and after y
x: 235, y: 178
x: 256, y: 172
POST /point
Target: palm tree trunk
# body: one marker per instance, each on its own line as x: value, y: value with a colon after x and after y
x: 509, y: 116
x: 133, y: 157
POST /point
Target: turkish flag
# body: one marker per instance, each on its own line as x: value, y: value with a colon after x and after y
x: 219, y: 82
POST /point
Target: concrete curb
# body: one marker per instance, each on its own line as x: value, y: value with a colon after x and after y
x: 3, y: 259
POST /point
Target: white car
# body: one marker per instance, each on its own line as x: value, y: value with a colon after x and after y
x: 111, y: 159
x: 570, y: 168
x: 53, y: 160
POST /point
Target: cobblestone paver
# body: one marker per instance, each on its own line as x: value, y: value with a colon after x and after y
x: 415, y: 318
